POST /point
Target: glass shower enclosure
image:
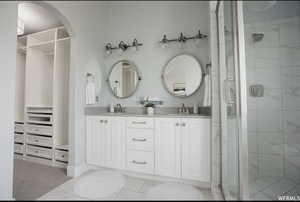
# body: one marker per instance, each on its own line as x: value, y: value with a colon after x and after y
x: 259, y: 61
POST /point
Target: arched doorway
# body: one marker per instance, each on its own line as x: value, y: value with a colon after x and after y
x: 51, y: 178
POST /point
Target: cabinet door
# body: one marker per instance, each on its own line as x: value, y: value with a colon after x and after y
x: 106, y: 142
x: 118, y: 125
x: 93, y: 134
x: 195, y: 138
x: 167, y: 147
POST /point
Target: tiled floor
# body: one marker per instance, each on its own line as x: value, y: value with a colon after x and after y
x: 32, y: 180
x: 134, y: 189
x: 272, y: 188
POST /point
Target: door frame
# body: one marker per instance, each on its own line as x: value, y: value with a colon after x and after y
x: 241, y: 98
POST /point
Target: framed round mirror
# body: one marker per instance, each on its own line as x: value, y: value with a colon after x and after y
x: 123, y: 79
x: 182, y: 75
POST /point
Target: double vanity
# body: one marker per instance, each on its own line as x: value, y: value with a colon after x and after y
x: 171, y: 145
x: 166, y: 143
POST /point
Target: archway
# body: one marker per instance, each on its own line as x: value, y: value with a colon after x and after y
x: 71, y: 72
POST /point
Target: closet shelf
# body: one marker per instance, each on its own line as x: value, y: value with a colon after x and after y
x: 47, y: 46
x: 63, y: 39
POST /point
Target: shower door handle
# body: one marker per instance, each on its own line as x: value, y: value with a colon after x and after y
x: 228, y: 92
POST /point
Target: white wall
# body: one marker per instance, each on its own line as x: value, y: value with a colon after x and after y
x: 148, y: 21
x: 87, y: 19
x: 8, y: 21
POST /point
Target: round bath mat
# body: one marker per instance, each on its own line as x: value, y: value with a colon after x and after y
x: 173, y: 191
x: 99, y: 184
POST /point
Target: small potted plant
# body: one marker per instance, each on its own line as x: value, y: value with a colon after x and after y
x: 150, y: 108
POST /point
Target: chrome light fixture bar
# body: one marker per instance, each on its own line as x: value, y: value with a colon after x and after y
x: 182, y: 38
x: 122, y: 46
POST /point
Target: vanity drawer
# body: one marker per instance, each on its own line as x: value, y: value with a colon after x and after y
x: 19, y: 138
x: 41, y: 130
x: 61, y: 155
x: 140, y: 122
x: 19, y: 148
x: 140, y: 139
x: 39, y: 151
x: 140, y: 161
x: 39, y: 140
x: 19, y: 128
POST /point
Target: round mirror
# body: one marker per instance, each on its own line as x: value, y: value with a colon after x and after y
x: 123, y: 79
x: 182, y: 75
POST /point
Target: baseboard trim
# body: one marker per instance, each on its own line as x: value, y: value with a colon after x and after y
x: 76, y: 171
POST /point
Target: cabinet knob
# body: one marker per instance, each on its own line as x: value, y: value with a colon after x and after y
x: 177, y: 124
x: 105, y: 121
x: 183, y: 124
x: 101, y: 121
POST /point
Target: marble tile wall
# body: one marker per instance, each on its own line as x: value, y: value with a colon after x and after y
x: 274, y: 119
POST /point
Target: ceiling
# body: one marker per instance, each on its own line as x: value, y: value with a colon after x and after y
x: 36, y: 18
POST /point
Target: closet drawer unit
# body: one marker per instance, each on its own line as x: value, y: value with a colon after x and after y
x: 19, y: 148
x: 19, y: 128
x: 41, y: 130
x: 39, y: 151
x: 39, y: 118
x: 19, y: 138
x: 140, y: 139
x: 140, y: 122
x: 61, y: 155
x: 39, y: 140
x: 140, y: 161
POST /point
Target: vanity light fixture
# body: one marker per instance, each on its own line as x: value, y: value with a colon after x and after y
x: 182, y: 38
x: 122, y: 46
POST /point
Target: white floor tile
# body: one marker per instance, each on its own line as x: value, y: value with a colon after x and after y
x: 129, y: 194
x: 279, y: 188
x: 133, y: 184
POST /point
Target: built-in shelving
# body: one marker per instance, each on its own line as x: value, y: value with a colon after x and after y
x: 43, y: 61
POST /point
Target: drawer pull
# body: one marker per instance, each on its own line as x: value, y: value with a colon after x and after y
x: 36, y: 152
x: 139, y: 162
x: 138, y: 122
x: 36, y: 140
x: 139, y: 140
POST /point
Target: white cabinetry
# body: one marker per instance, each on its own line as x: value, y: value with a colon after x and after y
x: 182, y: 148
x: 195, y: 149
x: 174, y: 147
x: 167, y: 147
x: 105, y: 141
x: 42, y: 82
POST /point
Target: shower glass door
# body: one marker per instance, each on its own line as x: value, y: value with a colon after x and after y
x: 233, y: 101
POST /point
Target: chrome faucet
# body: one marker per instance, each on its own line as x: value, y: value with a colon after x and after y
x: 119, y: 108
x: 183, y: 109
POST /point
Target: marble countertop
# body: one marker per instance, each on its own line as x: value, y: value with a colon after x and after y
x: 140, y: 112
x: 152, y: 116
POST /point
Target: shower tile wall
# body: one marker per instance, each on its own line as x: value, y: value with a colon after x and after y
x: 274, y: 119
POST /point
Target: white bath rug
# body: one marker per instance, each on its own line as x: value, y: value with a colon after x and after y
x: 99, y: 184
x: 174, y: 191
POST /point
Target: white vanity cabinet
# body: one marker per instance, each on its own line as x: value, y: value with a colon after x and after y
x: 105, y: 141
x: 195, y: 149
x: 167, y: 147
x: 163, y: 146
x: 182, y: 147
